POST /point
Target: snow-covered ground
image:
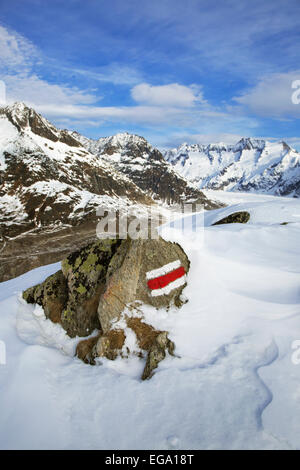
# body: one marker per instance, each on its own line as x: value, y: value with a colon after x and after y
x: 234, y: 383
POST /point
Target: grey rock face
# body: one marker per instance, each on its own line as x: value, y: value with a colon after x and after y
x: 85, y: 272
x: 52, y: 295
x: 157, y: 353
x: 241, y: 217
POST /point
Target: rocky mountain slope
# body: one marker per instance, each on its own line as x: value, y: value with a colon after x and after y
x: 143, y: 164
x: 249, y: 165
x: 52, y: 182
x: 50, y: 185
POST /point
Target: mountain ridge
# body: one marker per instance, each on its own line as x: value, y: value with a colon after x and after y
x: 51, y: 187
x: 249, y: 165
x: 50, y: 190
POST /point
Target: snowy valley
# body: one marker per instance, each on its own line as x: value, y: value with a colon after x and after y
x: 232, y: 384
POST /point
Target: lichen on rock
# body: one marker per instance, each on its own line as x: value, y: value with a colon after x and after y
x: 52, y: 295
x: 110, y: 344
x: 84, y: 349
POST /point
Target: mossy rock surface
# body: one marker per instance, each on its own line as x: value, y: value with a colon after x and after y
x: 241, y: 217
x: 157, y: 353
x: 86, y: 267
x: 94, y: 286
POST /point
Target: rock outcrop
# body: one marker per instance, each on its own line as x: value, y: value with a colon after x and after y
x: 126, y: 280
x: 241, y: 217
x: 52, y: 295
x: 103, y: 287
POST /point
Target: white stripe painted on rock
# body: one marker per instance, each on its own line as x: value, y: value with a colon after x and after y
x: 167, y: 289
x: 163, y: 270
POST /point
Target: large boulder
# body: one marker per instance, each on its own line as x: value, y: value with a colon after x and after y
x: 136, y: 265
x: 71, y: 296
x: 241, y: 217
x: 85, y: 272
x: 101, y: 282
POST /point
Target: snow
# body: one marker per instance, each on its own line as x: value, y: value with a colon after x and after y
x: 121, y: 140
x: 232, y: 384
x: 8, y: 133
x: 251, y: 164
x: 11, y: 210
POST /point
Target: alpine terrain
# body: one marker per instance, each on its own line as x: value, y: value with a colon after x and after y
x: 51, y: 187
x: 250, y: 165
x: 145, y: 165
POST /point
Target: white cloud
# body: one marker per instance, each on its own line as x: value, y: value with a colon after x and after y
x: 167, y: 95
x: 272, y: 96
x: 37, y: 92
x: 16, y: 52
x: 18, y: 58
x: 158, y: 107
x: 154, y: 116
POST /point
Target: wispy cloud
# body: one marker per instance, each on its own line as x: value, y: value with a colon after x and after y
x: 169, y: 105
x: 172, y: 94
x: 17, y: 54
x: 116, y: 74
x: 18, y: 60
x: 131, y: 66
x: 38, y: 92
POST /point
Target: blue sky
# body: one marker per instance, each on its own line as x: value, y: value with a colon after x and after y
x: 170, y: 70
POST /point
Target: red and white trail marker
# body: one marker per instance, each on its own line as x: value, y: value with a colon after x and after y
x: 163, y: 280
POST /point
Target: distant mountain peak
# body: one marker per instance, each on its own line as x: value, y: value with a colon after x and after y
x: 123, y: 140
x: 249, y: 165
x: 25, y: 118
x: 145, y: 165
x: 248, y: 143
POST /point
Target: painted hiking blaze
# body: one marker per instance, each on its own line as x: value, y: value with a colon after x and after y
x: 163, y: 280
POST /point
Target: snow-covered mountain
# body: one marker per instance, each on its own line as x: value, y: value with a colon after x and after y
x: 49, y: 183
x: 52, y: 182
x: 249, y: 165
x: 46, y: 175
x: 143, y: 164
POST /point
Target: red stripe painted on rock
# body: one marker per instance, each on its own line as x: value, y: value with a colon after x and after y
x: 163, y: 281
